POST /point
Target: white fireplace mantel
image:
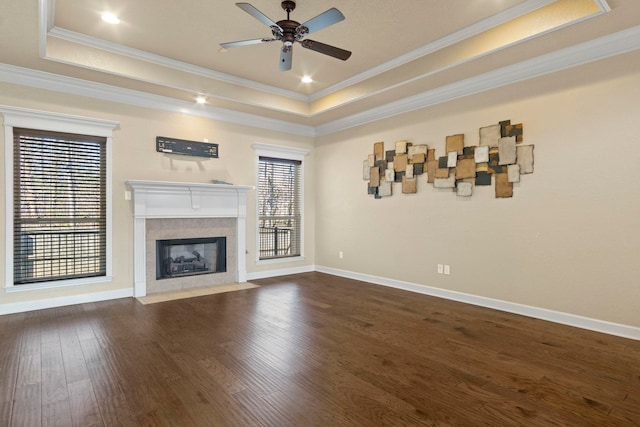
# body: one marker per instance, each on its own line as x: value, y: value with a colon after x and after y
x: 159, y: 199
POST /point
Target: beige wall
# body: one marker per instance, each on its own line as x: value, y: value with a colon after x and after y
x: 569, y: 239
x: 134, y: 157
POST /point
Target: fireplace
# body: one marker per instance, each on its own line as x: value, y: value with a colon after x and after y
x: 189, y: 257
x: 181, y: 210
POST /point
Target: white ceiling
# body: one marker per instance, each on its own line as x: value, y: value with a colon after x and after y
x: 405, y: 54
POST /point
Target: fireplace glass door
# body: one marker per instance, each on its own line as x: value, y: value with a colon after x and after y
x: 187, y: 257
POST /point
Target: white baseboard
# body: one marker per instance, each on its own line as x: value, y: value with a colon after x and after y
x: 281, y: 272
x: 19, y: 307
x: 610, y: 328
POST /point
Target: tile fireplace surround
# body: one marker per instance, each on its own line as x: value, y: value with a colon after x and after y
x: 186, y: 203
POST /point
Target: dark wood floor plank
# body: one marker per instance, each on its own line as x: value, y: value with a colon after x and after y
x: 84, y: 408
x: 139, y: 382
x: 209, y: 405
x: 54, y: 382
x: 362, y: 401
x: 75, y: 367
x: 260, y: 409
x: 309, y: 349
x: 27, y: 408
x: 258, y: 375
x: 10, y: 331
x: 151, y: 419
x: 104, y: 381
x: 29, y: 370
x: 57, y: 414
x: 5, y: 413
x: 209, y: 401
x: 30, y: 342
x: 223, y: 376
x: 9, y: 363
x: 115, y: 411
x: 174, y: 413
x: 84, y: 330
x: 10, y: 323
x: 50, y: 333
x: 91, y: 351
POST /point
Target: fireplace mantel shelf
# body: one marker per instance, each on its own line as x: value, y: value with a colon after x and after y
x: 163, y: 199
x: 173, y: 186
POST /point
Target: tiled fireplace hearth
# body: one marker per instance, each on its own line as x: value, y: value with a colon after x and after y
x: 175, y: 210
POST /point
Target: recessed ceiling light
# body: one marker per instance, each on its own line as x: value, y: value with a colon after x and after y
x: 307, y: 79
x: 201, y: 100
x: 110, y: 18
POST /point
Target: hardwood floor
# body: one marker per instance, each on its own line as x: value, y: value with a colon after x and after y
x: 309, y: 350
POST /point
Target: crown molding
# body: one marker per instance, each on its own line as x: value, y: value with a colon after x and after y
x: 601, y: 48
x: 453, y: 38
x: 47, y: 27
x: 603, y: 5
x: 43, y: 80
x: 594, y: 50
x: 46, y: 16
x: 463, y: 61
x: 73, y: 37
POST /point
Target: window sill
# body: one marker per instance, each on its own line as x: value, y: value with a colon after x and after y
x: 58, y: 284
x: 280, y: 260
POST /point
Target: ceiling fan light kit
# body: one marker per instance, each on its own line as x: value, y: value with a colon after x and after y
x: 289, y: 32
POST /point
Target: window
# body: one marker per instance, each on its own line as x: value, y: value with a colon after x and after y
x: 58, y: 225
x: 279, y: 207
x: 280, y: 216
x: 59, y: 218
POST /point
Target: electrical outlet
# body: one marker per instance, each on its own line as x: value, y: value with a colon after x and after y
x: 127, y: 195
x: 447, y: 270
x: 440, y: 269
x: 340, y: 255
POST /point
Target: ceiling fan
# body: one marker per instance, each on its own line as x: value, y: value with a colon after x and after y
x: 289, y: 32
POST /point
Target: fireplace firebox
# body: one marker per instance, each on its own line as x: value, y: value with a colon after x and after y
x: 188, y: 257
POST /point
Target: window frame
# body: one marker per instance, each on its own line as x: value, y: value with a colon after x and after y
x: 286, y: 153
x: 54, y: 122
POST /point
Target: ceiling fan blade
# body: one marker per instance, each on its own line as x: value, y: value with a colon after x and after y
x: 258, y: 15
x: 245, y: 43
x: 286, y: 57
x: 326, y: 18
x: 326, y: 49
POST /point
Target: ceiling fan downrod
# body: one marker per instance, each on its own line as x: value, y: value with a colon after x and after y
x: 288, y: 35
x: 288, y: 6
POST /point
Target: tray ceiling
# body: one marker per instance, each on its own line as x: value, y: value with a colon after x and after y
x: 401, y: 50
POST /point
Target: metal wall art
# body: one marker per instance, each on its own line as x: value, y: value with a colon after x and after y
x: 499, y: 158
